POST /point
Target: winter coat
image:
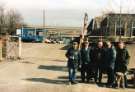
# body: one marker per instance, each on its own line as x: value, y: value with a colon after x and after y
x: 110, y: 57
x: 122, y: 60
x: 85, y: 56
x: 73, y: 58
x: 98, y: 55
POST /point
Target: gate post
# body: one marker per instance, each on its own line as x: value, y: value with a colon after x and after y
x: 20, y: 47
x: 4, y: 48
x: 7, y: 46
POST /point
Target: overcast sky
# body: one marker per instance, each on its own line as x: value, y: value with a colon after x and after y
x: 66, y: 12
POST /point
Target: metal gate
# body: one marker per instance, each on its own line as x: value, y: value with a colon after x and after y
x: 12, y: 48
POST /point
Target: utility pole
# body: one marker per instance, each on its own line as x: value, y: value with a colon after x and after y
x: 120, y: 21
x: 45, y: 33
x: 43, y: 18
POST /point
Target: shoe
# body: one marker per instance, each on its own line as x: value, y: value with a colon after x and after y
x: 69, y: 83
x: 91, y: 79
x: 117, y: 87
x: 109, y: 86
x: 88, y: 81
x: 123, y: 86
x: 82, y: 81
x: 74, y: 82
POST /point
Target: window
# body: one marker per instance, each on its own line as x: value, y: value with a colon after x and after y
x: 133, y: 28
x: 133, y: 31
x: 119, y: 29
x: 39, y: 33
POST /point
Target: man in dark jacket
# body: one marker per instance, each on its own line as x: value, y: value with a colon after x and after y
x: 122, y: 60
x: 73, y: 56
x: 110, y: 58
x: 98, y: 54
x: 85, y: 62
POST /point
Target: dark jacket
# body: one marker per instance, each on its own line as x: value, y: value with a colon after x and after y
x: 110, y: 57
x: 85, y: 56
x: 73, y: 58
x: 98, y: 55
x: 122, y: 60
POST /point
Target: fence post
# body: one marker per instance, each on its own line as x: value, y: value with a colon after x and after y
x: 1, y: 49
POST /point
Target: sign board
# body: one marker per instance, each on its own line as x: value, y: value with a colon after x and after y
x: 18, y: 32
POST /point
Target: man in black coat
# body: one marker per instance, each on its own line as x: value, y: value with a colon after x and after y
x: 85, y: 62
x: 73, y: 56
x: 122, y: 60
x: 110, y: 58
x: 98, y: 54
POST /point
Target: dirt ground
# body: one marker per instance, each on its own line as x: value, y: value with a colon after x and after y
x: 43, y: 69
x: 131, y: 49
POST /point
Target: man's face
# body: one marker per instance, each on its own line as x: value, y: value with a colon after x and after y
x: 121, y: 45
x: 86, y: 45
x: 109, y: 44
x: 75, y: 46
x: 100, y: 44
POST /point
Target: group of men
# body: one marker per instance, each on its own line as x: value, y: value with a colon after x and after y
x: 93, y: 61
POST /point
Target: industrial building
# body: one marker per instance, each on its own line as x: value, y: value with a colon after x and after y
x: 113, y: 24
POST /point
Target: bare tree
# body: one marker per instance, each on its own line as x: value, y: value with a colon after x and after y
x: 13, y: 21
x: 10, y: 20
x: 2, y: 16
